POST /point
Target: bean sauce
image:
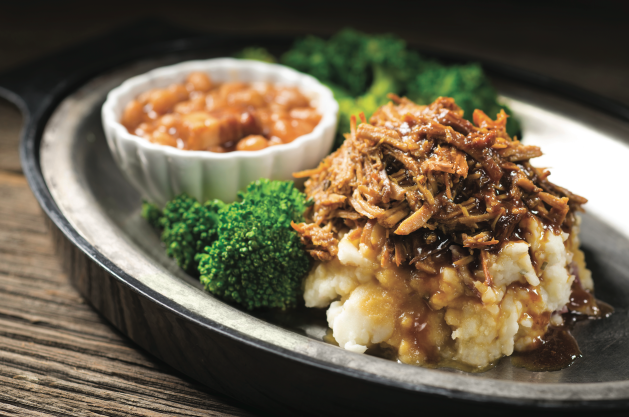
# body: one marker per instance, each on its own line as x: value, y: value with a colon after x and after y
x: 199, y: 114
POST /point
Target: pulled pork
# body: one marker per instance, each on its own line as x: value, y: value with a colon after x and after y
x: 432, y: 179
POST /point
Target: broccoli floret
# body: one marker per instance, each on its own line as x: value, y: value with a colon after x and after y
x: 359, y: 69
x: 348, y: 59
x: 187, y: 227
x: 362, y: 69
x: 245, y: 252
x: 258, y: 259
x: 350, y: 65
x: 310, y: 55
x: 256, y: 53
x: 152, y: 214
x: 384, y: 83
x: 467, y: 84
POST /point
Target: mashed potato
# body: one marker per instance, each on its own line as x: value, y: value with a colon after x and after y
x: 456, y: 315
x: 435, y: 238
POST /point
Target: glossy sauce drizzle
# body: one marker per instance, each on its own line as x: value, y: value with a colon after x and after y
x: 558, y: 349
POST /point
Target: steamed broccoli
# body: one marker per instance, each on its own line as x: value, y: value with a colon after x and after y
x: 152, y: 214
x: 187, y: 227
x: 359, y: 69
x: 349, y: 59
x: 256, y: 53
x: 362, y: 69
x: 258, y: 259
x: 245, y: 252
x: 367, y: 103
x: 467, y: 84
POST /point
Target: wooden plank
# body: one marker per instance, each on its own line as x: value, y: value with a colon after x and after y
x: 57, y: 355
x: 10, y: 126
x: 45, y: 267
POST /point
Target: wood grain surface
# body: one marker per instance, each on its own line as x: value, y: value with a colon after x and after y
x: 57, y: 355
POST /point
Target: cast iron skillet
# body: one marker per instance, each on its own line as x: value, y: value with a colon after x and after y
x: 261, y: 375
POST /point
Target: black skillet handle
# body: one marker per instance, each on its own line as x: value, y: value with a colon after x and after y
x: 36, y: 86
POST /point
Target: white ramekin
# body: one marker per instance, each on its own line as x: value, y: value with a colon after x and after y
x: 161, y: 172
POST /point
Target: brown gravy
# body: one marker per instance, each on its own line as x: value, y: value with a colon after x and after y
x: 558, y: 349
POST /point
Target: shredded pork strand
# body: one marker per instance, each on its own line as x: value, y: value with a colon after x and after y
x: 430, y: 178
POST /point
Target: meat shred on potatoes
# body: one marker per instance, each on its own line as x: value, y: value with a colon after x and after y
x: 436, y: 239
x: 427, y: 175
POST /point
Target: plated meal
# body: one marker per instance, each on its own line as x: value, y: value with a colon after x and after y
x: 426, y: 234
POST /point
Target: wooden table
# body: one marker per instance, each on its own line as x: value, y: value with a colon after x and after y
x: 57, y: 355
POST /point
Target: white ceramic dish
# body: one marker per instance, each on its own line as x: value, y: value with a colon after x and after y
x: 162, y: 172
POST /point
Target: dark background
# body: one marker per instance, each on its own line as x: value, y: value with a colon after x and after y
x: 580, y: 42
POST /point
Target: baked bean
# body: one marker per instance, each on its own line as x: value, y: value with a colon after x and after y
x: 200, y: 115
x: 180, y: 91
x: 162, y: 101
x: 281, y: 128
x: 171, y: 120
x: 198, y: 81
x: 163, y: 138
x: 217, y: 149
x: 275, y: 141
x: 143, y: 98
x: 227, y: 89
x: 252, y: 143
x: 133, y: 114
x: 247, y: 98
x: 290, y: 97
x: 144, y: 130
x: 213, y: 101
x: 302, y: 127
x: 306, y: 113
x: 189, y: 106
